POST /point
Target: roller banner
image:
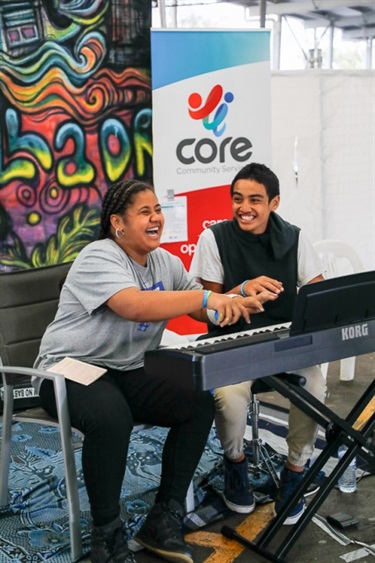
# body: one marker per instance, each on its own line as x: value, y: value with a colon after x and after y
x: 211, y: 99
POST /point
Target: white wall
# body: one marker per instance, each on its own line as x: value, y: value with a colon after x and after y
x: 323, y: 128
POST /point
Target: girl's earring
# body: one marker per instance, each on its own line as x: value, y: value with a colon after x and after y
x: 119, y: 234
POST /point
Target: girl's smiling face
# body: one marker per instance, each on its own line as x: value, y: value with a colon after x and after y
x: 142, y: 224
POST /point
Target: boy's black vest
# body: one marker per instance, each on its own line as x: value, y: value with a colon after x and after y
x: 247, y: 256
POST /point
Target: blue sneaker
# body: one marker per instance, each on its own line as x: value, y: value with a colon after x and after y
x: 289, y: 481
x: 237, y: 493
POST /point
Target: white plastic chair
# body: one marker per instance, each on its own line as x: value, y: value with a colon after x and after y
x: 338, y: 259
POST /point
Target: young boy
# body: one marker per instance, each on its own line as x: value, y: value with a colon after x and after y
x: 258, y: 250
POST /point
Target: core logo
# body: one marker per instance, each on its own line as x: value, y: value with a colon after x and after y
x: 203, y: 111
x: 356, y: 331
x: 212, y: 112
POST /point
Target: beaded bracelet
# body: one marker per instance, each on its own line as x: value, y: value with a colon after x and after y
x: 242, y: 289
x: 206, y: 294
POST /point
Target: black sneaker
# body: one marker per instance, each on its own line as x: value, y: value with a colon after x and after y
x: 237, y: 495
x: 108, y: 544
x: 162, y: 532
x: 319, y: 480
x: 289, y: 481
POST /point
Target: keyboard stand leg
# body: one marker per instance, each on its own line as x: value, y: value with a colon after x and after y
x: 338, y: 431
x: 231, y: 534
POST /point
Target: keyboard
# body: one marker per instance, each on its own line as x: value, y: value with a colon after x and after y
x: 219, y: 361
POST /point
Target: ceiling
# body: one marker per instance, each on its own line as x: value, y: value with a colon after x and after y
x: 356, y: 18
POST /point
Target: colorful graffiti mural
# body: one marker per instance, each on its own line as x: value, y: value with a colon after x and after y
x: 75, y: 116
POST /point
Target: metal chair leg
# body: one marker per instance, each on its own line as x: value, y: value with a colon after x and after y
x: 6, y: 444
x: 70, y: 470
x: 189, y: 501
x: 260, y: 452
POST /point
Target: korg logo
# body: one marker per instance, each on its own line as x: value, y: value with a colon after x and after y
x: 212, y: 113
x: 355, y: 331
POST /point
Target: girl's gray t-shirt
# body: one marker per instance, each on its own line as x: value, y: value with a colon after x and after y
x: 86, y: 329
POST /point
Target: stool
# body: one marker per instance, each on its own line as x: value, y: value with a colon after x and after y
x: 261, y: 455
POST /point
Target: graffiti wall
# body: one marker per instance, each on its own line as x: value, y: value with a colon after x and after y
x: 75, y: 116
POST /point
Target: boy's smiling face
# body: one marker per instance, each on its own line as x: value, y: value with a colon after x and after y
x: 251, y: 206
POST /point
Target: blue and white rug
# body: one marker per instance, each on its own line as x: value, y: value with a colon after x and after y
x: 35, y: 527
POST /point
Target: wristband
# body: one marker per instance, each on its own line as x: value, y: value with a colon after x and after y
x: 206, y: 295
x: 242, y: 289
x: 213, y: 316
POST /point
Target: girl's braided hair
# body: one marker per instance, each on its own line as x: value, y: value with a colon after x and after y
x: 116, y: 200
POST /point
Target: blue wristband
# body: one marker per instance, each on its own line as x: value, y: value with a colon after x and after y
x: 206, y: 295
x: 242, y: 289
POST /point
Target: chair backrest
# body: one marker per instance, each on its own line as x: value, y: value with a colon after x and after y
x: 28, y: 303
x: 338, y: 258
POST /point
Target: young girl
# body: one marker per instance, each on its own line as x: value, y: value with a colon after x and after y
x: 114, y: 305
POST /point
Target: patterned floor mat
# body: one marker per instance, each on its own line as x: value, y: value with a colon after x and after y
x: 35, y: 527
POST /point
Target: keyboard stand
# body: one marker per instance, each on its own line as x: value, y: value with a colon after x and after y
x: 338, y: 431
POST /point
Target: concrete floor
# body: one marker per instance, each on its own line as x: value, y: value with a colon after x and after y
x: 314, y: 544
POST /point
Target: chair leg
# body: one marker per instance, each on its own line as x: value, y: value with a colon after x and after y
x: 324, y: 369
x: 347, y: 369
x: 254, y: 412
x: 260, y: 452
x: 70, y: 470
x: 6, y: 444
x: 189, y: 501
